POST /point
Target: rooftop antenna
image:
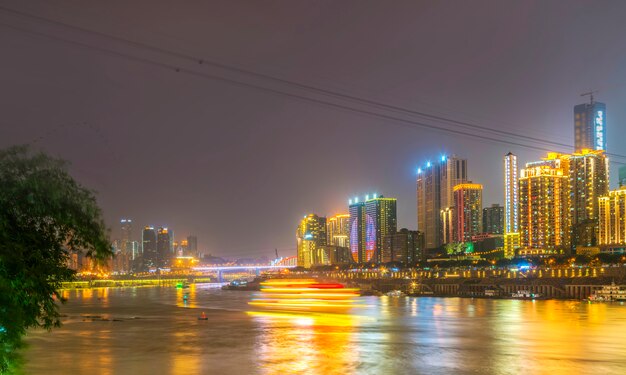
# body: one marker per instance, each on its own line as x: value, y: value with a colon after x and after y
x: 590, y: 93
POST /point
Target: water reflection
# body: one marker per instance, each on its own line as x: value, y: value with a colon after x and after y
x: 306, y: 343
x: 152, y: 330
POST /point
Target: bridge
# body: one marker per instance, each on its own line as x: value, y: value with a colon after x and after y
x: 238, y: 268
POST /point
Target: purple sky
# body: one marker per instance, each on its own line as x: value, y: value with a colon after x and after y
x: 239, y: 166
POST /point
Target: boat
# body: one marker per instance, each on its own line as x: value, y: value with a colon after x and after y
x: 203, y: 316
x: 525, y: 294
x: 609, y: 293
x: 395, y: 293
x: 305, y: 295
x: 243, y: 284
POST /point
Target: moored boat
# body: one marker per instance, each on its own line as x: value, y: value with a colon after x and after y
x: 609, y: 293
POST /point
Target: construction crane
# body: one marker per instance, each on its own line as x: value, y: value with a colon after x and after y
x: 590, y: 93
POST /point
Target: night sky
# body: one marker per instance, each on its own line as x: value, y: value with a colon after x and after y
x: 238, y: 164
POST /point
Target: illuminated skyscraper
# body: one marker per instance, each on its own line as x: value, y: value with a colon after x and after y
x: 468, y: 207
x: 383, y: 214
x: 310, y: 239
x: 435, y: 183
x: 511, y: 205
x: 165, y: 246
x: 612, y: 212
x: 370, y: 221
x: 338, y: 230
x: 493, y: 219
x: 590, y: 126
x: 543, y: 218
x: 588, y: 176
x: 149, y: 247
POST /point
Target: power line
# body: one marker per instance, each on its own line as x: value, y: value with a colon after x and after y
x: 176, y: 68
x: 300, y: 85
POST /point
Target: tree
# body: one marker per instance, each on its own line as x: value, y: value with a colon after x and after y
x: 44, y: 216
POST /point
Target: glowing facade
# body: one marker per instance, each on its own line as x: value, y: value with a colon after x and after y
x: 588, y: 180
x: 448, y: 227
x: 612, y: 215
x: 435, y: 183
x: 468, y: 208
x: 511, y: 205
x: 383, y: 213
x: 370, y: 221
x: 590, y: 126
x: 357, y: 230
x: 338, y: 230
x: 543, y: 219
x: 310, y: 238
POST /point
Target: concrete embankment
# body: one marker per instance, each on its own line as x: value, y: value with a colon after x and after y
x: 549, y: 283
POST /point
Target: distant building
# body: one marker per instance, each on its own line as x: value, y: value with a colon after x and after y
x: 543, y: 217
x: 126, y: 232
x: 590, y: 126
x: 493, y: 219
x: 511, y: 205
x: 612, y: 212
x: 405, y: 246
x: 149, y: 247
x: 435, y: 183
x: 192, y: 246
x: 336, y: 255
x: 468, y: 202
x: 165, y: 246
x: 622, y: 176
x: 338, y: 230
x: 310, y: 238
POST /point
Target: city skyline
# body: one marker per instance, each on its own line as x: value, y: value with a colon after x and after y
x: 195, y: 126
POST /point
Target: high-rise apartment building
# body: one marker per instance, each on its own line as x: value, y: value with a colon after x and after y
x: 590, y: 126
x: 149, y: 247
x: 405, y: 246
x: 370, y: 221
x: 622, y: 176
x: 338, y: 230
x: 310, y: 238
x: 511, y: 205
x: 543, y: 218
x: 384, y: 218
x: 588, y: 180
x: 435, y: 183
x: 612, y: 218
x: 468, y: 205
x: 165, y: 246
x: 493, y: 219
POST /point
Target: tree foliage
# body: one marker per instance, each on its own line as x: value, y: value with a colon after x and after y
x: 45, y: 215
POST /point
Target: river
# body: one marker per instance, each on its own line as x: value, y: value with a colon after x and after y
x: 153, y: 330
